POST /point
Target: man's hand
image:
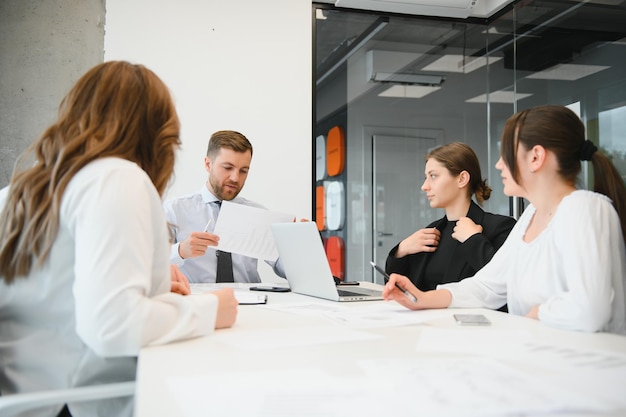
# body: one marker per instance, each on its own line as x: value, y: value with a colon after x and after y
x: 196, y: 244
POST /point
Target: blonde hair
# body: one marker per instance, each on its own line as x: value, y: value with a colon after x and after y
x: 116, y: 109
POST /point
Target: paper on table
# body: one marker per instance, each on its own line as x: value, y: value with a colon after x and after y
x: 372, y: 314
x: 246, y: 230
x: 243, y: 295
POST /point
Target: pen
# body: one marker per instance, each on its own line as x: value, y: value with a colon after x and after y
x: 206, y: 228
x: 404, y: 291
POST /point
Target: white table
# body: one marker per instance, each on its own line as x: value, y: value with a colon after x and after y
x: 301, y: 356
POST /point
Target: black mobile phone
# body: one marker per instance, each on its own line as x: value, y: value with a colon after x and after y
x: 270, y: 288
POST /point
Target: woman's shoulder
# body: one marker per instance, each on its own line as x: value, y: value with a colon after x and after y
x: 498, y: 217
x: 593, y: 207
x: 497, y: 223
x: 591, y: 212
x: 110, y: 163
x: 489, y: 217
x: 586, y: 197
x: 584, y: 203
x: 109, y: 173
x: 111, y: 169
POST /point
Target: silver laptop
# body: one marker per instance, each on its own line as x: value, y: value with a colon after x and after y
x: 307, y: 270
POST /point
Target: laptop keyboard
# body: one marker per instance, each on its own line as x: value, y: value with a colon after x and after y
x: 364, y: 291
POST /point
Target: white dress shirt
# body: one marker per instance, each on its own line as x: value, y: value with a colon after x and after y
x: 191, y: 213
x: 103, y: 293
x: 574, y: 270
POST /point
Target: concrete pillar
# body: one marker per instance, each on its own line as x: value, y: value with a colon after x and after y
x: 45, y: 46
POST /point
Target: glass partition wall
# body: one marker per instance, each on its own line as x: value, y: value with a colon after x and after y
x: 388, y: 88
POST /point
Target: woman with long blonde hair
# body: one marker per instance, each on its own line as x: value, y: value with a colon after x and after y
x: 84, y: 247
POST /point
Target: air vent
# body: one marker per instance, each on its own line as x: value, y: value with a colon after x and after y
x: 444, y: 8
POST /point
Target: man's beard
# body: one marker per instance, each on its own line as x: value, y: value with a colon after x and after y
x: 219, y: 191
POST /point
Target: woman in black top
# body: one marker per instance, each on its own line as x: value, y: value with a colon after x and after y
x: 465, y: 239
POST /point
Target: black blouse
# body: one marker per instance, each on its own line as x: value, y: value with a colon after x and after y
x: 453, y: 260
x: 439, y: 261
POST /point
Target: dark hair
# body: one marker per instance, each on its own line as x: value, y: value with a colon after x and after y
x: 116, y: 109
x: 561, y: 131
x: 458, y: 157
x: 228, y: 139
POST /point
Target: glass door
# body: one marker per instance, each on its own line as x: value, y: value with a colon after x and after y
x: 399, y: 205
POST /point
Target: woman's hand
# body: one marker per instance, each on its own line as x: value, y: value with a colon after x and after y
x: 465, y: 228
x: 391, y: 292
x: 533, y: 313
x: 425, y: 299
x: 180, y: 283
x: 424, y: 240
x: 226, y: 308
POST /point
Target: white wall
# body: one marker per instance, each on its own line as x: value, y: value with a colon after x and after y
x: 243, y: 65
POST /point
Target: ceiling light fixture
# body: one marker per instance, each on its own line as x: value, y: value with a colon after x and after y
x: 508, y: 97
x: 567, y: 72
x: 408, y: 78
x: 459, y: 63
x: 408, y: 91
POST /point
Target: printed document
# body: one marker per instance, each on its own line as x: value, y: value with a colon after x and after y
x: 246, y: 230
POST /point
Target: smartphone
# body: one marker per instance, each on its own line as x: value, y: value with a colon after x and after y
x: 471, y: 320
x: 270, y: 288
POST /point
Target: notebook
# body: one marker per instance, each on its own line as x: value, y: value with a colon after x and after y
x: 302, y: 255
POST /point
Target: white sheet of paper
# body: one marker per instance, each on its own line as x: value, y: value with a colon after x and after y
x: 246, y: 230
x: 242, y: 292
x: 365, y: 315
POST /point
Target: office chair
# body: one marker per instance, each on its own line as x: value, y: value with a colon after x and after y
x: 12, y: 405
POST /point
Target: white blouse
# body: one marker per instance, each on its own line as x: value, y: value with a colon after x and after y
x: 102, y: 295
x: 574, y: 270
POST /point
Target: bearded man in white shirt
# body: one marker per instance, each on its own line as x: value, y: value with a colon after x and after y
x: 192, y: 217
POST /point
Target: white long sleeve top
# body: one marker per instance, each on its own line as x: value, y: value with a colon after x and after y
x: 574, y: 270
x: 102, y: 295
